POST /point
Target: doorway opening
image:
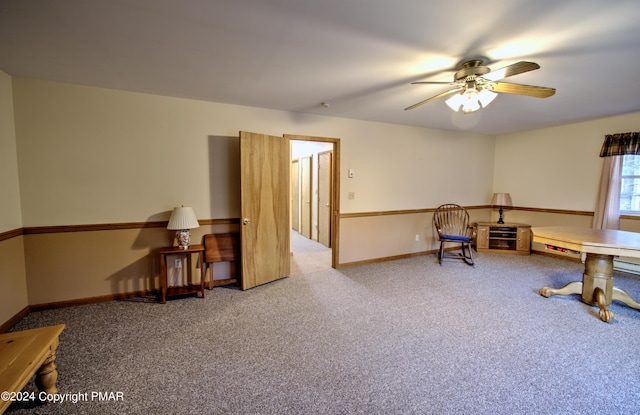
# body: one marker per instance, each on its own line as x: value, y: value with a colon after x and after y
x: 315, y: 166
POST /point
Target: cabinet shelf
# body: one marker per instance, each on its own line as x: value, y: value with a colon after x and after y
x: 508, y: 238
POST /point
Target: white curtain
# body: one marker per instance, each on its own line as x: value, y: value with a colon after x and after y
x: 607, y: 213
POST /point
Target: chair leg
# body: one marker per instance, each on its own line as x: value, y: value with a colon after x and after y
x: 463, y: 255
x: 468, y: 259
x: 211, y: 280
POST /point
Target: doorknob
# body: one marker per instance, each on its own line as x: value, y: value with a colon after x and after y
x: 245, y: 221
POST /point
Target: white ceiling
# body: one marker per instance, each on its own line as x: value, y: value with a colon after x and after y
x: 360, y: 55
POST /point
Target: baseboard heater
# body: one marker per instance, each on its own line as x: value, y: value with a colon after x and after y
x: 626, y: 266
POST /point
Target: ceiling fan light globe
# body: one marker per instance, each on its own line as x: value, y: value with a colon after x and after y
x: 486, y: 97
x: 470, y: 101
x: 471, y: 94
x: 471, y: 106
x: 455, y: 102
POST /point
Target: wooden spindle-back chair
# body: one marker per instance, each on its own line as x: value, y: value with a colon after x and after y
x: 451, y: 222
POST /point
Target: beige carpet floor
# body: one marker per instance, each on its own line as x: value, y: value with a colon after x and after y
x: 399, y: 337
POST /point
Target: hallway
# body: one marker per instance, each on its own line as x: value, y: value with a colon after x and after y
x: 308, y: 255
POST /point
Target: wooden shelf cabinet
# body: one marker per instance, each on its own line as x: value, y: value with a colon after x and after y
x: 506, y: 238
x: 174, y: 291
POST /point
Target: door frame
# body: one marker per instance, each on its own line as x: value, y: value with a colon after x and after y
x: 334, y: 221
x: 295, y: 194
x: 319, y: 207
x: 306, y: 196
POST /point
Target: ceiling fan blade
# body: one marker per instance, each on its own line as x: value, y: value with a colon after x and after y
x: 515, y: 69
x: 433, y: 82
x: 520, y: 89
x: 451, y: 91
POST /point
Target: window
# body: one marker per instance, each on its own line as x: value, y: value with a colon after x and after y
x: 630, y: 185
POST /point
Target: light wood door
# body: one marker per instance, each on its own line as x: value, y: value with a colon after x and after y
x: 295, y: 195
x: 482, y: 237
x: 305, y: 196
x: 264, y: 194
x: 324, y: 198
x: 524, y: 239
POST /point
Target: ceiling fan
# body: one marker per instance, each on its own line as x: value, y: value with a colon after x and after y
x: 476, y: 85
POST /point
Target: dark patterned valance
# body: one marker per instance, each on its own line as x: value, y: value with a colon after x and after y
x: 620, y: 144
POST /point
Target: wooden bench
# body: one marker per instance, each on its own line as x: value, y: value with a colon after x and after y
x: 27, y: 353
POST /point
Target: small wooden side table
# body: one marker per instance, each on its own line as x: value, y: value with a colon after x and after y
x: 25, y: 353
x: 181, y: 290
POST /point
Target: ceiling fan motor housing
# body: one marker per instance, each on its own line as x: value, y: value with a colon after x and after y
x: 471, y: 68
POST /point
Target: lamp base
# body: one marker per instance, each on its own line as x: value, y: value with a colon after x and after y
x: 184, y: 237
x: 500, y: 221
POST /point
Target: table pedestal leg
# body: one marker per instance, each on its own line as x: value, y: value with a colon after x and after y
x: 574, y: 287
x: 47, y: 374
x: 624, y: 297
x: 596, y: 286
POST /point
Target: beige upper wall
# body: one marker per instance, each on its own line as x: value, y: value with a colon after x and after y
x: 10, y: 213
x: 556, y: 168
x: 399, y: 168
x: 13, y: 280
x: 92, y: 155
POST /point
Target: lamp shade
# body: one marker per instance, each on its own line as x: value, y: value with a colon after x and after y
x: 182, y: 218
x: 501, y: 199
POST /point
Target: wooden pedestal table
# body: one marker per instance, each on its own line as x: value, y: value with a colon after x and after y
x: 600, y: 247
x: 27, y: 353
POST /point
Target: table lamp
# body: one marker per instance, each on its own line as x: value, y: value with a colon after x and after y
x: 182, y: 219
x: 501, y: 200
